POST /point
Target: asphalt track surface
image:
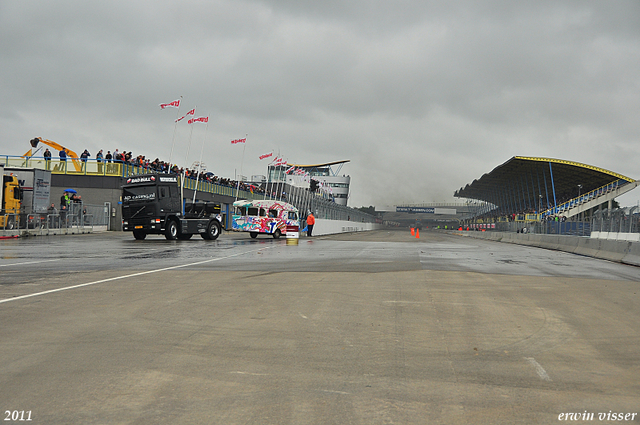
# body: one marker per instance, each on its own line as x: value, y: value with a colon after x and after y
x: 366, y: 328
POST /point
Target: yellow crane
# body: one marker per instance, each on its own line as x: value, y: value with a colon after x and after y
x: 70, y: 154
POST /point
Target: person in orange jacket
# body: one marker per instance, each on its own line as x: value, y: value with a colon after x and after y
x: 311, y: 220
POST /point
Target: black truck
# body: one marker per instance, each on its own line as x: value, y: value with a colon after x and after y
x: 152, y: 204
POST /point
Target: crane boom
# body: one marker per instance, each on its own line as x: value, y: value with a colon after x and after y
x: 71, y: 154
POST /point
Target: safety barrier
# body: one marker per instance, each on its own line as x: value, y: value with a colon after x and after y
x: 626, y: 252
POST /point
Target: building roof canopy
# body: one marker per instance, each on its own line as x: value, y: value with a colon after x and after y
x: 534, y: 174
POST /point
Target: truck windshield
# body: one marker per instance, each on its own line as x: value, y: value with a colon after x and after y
x: 138, y: 194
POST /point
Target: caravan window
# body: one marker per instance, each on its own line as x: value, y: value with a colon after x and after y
x: 263, y: 213
x: 293, y: 215
x: 253, y: 211
x: 273, y: 213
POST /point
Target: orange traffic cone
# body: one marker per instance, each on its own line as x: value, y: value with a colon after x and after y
x: 417, y: 233
x: 412, y: 232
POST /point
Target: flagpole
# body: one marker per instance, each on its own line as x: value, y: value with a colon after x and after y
x: 200, y: 162
x: 186, y: 158
x: 241, y: 164
x: 173, y: 139
x: 266, y: 186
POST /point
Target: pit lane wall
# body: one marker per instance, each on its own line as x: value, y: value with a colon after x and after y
x: 627, y: 252
x: 331, y: 227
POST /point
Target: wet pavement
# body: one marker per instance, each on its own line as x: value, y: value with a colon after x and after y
x: 375, y: 327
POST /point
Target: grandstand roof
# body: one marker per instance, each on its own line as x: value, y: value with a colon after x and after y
x: 531, y: 173
x: 327, y: 164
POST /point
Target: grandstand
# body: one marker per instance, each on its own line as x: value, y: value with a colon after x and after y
x: 540, y: 188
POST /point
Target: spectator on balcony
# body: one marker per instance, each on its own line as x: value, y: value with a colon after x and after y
x: 47, y: 159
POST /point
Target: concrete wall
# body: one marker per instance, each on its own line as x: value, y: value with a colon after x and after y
x: 634, y: 237
x: 329, y: 227
x: 626, y: 252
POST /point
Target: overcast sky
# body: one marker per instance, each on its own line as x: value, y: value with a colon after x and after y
x: 422, y: 96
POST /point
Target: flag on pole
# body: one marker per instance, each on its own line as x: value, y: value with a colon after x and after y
x: 191, y: 112
x: 236, y: 141
x: 266, y: 155
x: 199, y: 119
x: 174, y: 104
x: 290, y: 169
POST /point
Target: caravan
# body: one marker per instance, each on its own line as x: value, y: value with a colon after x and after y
x: 267, y: 217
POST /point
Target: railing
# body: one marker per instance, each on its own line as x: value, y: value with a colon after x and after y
x: 93, y: 167
x: 586, y: 197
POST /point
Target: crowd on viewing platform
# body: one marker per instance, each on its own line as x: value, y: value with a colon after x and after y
x: 141, y: 164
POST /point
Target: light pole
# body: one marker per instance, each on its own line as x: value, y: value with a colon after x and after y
x: 579, y: 189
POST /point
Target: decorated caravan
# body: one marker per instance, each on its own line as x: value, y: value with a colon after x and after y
x: 268, y: 217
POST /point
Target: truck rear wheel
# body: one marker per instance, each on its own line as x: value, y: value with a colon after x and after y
x: 171, y: 232
x: 139, y: 234
x: 253, y: 235
x: 213, y: 231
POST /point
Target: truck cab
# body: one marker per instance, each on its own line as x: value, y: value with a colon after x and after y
x: 152, y: 204
x: 10, y: 199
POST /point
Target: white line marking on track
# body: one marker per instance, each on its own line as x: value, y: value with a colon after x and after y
x: 29, y: 262
x: 164, y: 269
x: 302, y: 315
x: 539, y: 369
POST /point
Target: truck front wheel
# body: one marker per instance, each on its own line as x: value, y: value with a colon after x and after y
x: 171, y: 232
x: 213, y: 231
x: 277, y: 234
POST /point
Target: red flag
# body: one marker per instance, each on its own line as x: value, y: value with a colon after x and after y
x: 199, y: 119
x: 290, y: 169
x: 191, y: 112
x: 174, y: 104
x: 266, y: 155
x: 235, y: 142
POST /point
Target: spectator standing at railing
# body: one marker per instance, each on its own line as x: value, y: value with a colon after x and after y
x: 63, y: 155
x: 83, y: 157
x: 99, y: 158
x: 108, y: 156
x: 47, y: 158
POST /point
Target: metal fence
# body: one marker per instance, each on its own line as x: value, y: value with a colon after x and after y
x: 78, y: 218
x: 546, y: 227
x: 621, y: 220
